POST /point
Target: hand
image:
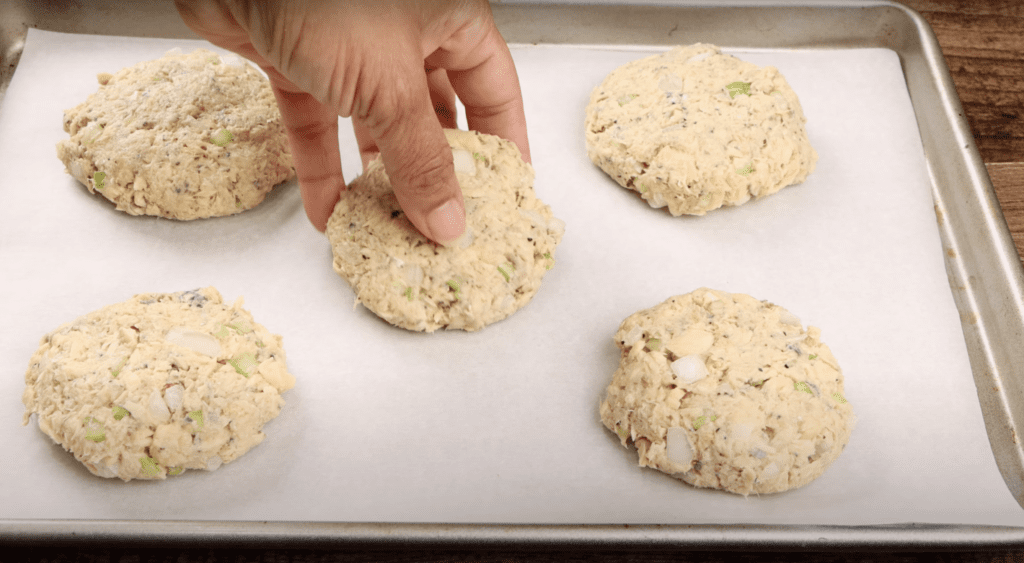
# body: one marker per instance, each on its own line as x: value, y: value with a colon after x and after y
x: 395, y: 67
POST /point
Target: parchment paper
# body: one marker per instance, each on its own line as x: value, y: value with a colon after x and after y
x: 501, y: 425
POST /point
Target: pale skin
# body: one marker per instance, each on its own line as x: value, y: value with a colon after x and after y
x: 395, y: 68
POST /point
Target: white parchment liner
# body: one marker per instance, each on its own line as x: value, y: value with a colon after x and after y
x: 502, y: 425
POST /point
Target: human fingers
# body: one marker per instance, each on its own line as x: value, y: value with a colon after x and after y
x: 313, y: 135
x: 311, y: 127
x: 416, y: 155
x: 214, y: 22
x: 483, y: 74
x: 442, y: 98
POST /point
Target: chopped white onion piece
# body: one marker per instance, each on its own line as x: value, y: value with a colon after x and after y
x: 91, y: 132
x: 633, y: 335
x: 195, y: 341
x: 700, y: 57
x: 673, y: 127
x: 740, y: 431
x: 769, y: 473
x: 158, y: 408
x: 671, y: 83
x: 757, y: 453
x: 214, y: 463
x: 464, y: 161
x: 231, y: 59
x: 413, y: 275
x: 678, y: 448
x: 507, y: 302
x: 173, y: 396
x: 534, y: 218
x: 556, y: 225
x: 689, y: 368
x: 466, y: 239
x: 106, y: 471
x: 787, y: 318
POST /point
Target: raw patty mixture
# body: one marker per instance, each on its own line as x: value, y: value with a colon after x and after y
x: 158, y: 384
x: 727, y: 392
x: 694, y: 129
x: 182, y: 137
x: 416, y: 284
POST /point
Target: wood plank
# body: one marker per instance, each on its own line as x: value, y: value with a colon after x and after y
x: 1010, y: 8
x: 983, y: 43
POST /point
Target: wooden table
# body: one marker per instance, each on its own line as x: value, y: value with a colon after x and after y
x: 983, y: 42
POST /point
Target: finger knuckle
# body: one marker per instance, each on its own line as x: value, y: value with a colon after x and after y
x: 425, y: 176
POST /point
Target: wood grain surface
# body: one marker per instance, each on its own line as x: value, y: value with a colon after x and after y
x: 983, y: 43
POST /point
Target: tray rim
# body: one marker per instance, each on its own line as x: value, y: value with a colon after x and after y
x: 388, y: 535
x: 983, y: 319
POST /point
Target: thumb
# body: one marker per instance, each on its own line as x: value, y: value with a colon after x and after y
x: 417, y: 157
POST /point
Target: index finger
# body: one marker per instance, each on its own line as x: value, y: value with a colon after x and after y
x: 483, y: 74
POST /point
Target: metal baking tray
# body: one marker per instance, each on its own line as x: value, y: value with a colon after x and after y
x: 985, y: 274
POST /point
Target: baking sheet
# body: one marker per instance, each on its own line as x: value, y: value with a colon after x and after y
x: 501, y: 425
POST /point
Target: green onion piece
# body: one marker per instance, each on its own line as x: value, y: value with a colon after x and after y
x: 701, y: 421
x: 222, y: 332
x: 626, y: 99
x: 197, y: 417
x: 244, y: 363
x: 550, y: 259
x: 408, y: 293
x: 745, y: 170
x: 97, y: 180
x: 812, y: 356
x: 455, y: 287
x: 479, y: 157
x: 654, y: 344
x: 91, y: 133
x: 114, y: 371
x: 260, y: 344
x: 149, y: 466
x: 802, y: 386
x: 504, y: 273
x: 175, y: 471
x: 622, y: 432
x: 838, y: 397
x: 213, y: 59
x: 757, y: 383
x: 120, y: 412
x: 737, y: 88
x: 222, y: 138
x: 241, y: 327
x: 94, y: 430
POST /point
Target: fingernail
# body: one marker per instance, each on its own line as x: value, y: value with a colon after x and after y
x: 447, y: 223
